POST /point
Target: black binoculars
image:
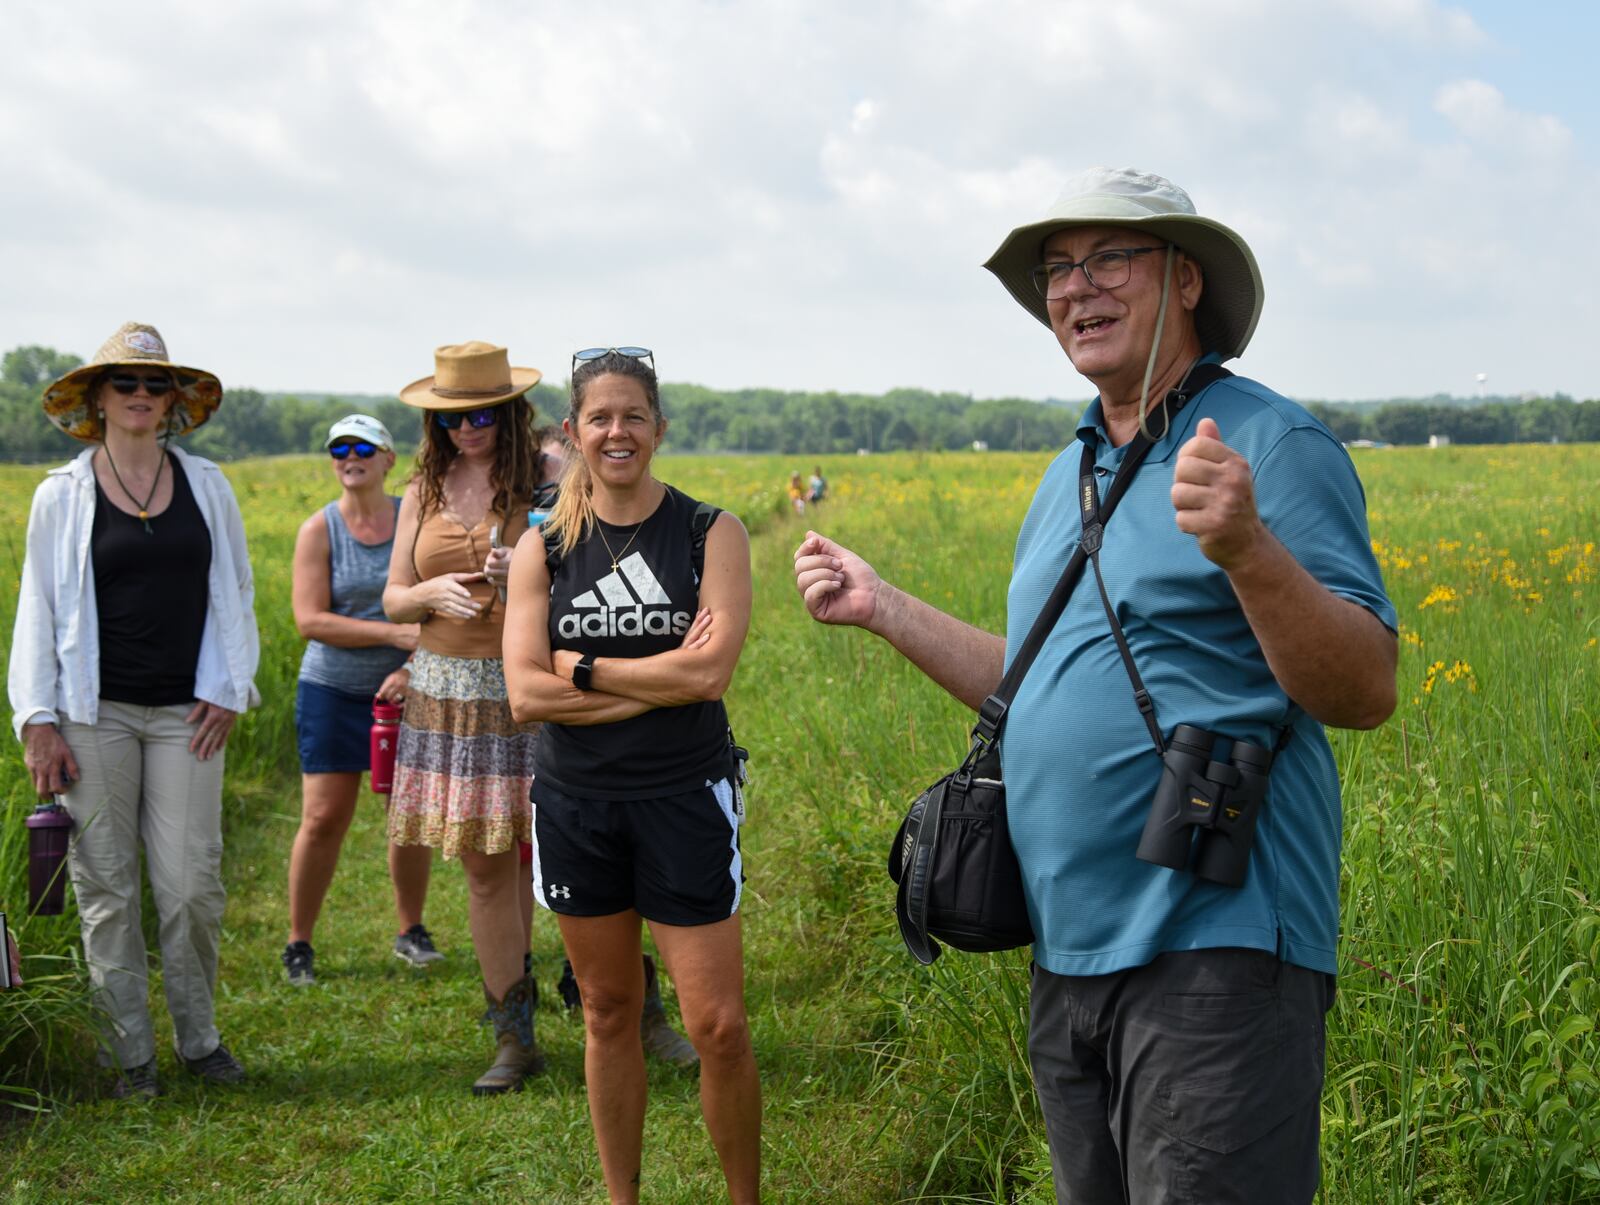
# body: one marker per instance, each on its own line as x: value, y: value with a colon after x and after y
x: 1220, y: 799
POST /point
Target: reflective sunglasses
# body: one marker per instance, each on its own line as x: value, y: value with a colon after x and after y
x: 127, y: 383
x: 361, y: 448
x: 477, y: 419
x: 595, y: 353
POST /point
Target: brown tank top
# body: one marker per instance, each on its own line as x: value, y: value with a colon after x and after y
x: 443, y: 545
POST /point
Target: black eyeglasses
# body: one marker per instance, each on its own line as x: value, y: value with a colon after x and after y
x: 1108, y: 269
x: 361, y: 448
x: 595, y: 353
x: 450, y: 420
x: 127, y: 383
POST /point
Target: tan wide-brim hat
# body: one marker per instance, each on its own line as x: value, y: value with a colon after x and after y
x: 1231, y: 297
x: 68, y: 404
x: 469, y: 376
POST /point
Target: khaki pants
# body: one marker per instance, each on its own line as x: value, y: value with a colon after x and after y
x: 140, y: 784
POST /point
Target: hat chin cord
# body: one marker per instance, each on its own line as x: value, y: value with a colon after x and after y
x: 1155, y: 345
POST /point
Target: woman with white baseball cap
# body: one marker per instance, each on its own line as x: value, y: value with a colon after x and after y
x: 353, y: 654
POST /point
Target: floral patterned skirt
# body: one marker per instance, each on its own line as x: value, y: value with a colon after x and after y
x: 463, y: 765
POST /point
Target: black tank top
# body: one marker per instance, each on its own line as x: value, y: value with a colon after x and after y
x: 642, y: 608
x: 151, y: 589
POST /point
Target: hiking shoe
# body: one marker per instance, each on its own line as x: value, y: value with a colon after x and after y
x: 137, y: 1081
x: 219, y: 1067
x: 297, y: 956
x: 415, y: 946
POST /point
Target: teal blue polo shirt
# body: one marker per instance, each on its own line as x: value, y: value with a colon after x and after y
x: 1079, y: 764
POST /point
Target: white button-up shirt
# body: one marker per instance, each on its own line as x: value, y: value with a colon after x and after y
x: 55, y: 647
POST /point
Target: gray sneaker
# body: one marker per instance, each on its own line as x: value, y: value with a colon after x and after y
x: 297, y: 957
x: 138, y: 1081
x: 218, y: 1067
x: 415, y: 946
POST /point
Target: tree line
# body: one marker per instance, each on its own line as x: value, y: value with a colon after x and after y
x: 253, y: 423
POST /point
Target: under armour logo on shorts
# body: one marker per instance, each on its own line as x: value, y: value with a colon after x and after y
x: 560, y: 891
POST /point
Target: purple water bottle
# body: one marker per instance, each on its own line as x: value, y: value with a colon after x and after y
x: 47, y: 852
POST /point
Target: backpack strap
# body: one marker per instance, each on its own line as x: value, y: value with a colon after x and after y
x: 552, y: 550
x: 699, y: 523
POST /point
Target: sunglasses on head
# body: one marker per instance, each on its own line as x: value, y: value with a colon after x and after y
x: 450, y: 420
x: 127, y: 383
x: 360, y: 447
x: 595, y: 353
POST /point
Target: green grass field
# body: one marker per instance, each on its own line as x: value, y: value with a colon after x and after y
x: 1462, y: 1052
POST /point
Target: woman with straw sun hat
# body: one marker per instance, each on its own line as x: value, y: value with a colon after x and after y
x: 464, y: 765
x: 135, y: 649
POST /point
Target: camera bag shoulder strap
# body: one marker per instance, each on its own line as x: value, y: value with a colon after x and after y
x: 1094, y: 515
x: 991, y: 715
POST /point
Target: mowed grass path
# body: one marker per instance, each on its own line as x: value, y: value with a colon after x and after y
x: 1461, y: 1053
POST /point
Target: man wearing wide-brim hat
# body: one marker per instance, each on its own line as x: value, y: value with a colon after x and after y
x: 1183, y: 966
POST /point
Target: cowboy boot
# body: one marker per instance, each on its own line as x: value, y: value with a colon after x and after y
x: 517, y: 1055
x: 660, y: 1039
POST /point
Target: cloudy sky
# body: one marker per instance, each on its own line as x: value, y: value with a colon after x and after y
x: 312, y: 194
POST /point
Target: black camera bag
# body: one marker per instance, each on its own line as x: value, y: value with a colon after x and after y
x: 957, y: 874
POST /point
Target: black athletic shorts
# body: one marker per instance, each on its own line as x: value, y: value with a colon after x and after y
x: 674, y: 860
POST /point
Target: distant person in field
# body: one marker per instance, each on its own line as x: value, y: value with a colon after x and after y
x: 817, y: 488
x: 463, y: 763
x: 135, y: 649
x: 353, y: 654
x: 625, y: 622
x: 1177, y: 1023
x: 797, y: 493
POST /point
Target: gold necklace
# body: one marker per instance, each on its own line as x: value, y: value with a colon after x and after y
x: 617, y: 556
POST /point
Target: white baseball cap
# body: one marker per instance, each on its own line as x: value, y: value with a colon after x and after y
x: 361, y: 426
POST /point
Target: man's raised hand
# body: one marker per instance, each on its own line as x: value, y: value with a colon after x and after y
x: 836, y: 584
x: 1213, y: 495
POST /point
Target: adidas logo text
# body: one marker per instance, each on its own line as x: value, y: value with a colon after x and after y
x: 627, y: 602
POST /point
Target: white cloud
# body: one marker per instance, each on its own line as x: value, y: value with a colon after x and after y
x: 311, y: 194
x: 1479, y: 111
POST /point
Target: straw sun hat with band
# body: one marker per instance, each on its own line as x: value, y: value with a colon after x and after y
x: 70, y: 405
x: 469, y: 376
x: 1231, y: 293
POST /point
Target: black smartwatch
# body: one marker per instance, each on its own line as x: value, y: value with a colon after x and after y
x: 583, y: 672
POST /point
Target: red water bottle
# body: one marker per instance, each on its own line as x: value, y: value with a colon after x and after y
x: 47, y: 851
x: 385, y: 740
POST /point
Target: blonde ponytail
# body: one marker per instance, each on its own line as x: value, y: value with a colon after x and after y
x: 574, y: 511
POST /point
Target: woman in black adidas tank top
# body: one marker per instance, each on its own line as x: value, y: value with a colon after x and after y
x: 623, y: 629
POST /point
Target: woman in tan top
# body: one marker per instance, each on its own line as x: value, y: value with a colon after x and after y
x: 464, y: 765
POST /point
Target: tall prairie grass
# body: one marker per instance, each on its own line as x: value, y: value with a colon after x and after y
x: 1462, y: 1050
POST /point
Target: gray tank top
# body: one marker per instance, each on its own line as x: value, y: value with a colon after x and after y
x: 357, y: 574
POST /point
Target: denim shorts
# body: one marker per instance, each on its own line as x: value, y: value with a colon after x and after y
x: 333, y: 729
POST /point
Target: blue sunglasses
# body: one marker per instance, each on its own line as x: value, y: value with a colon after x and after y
x: 361, y: 448
x: 477, y: 419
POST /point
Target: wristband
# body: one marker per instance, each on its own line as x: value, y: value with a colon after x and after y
x: 583, y: 672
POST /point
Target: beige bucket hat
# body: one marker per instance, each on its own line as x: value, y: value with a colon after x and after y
x: 1230, y: 302
x: 68, y: 405
x: 468, y: 376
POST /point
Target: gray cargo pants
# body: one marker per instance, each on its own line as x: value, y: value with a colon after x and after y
x: 1194, y: 1078
x: 140, y: 785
